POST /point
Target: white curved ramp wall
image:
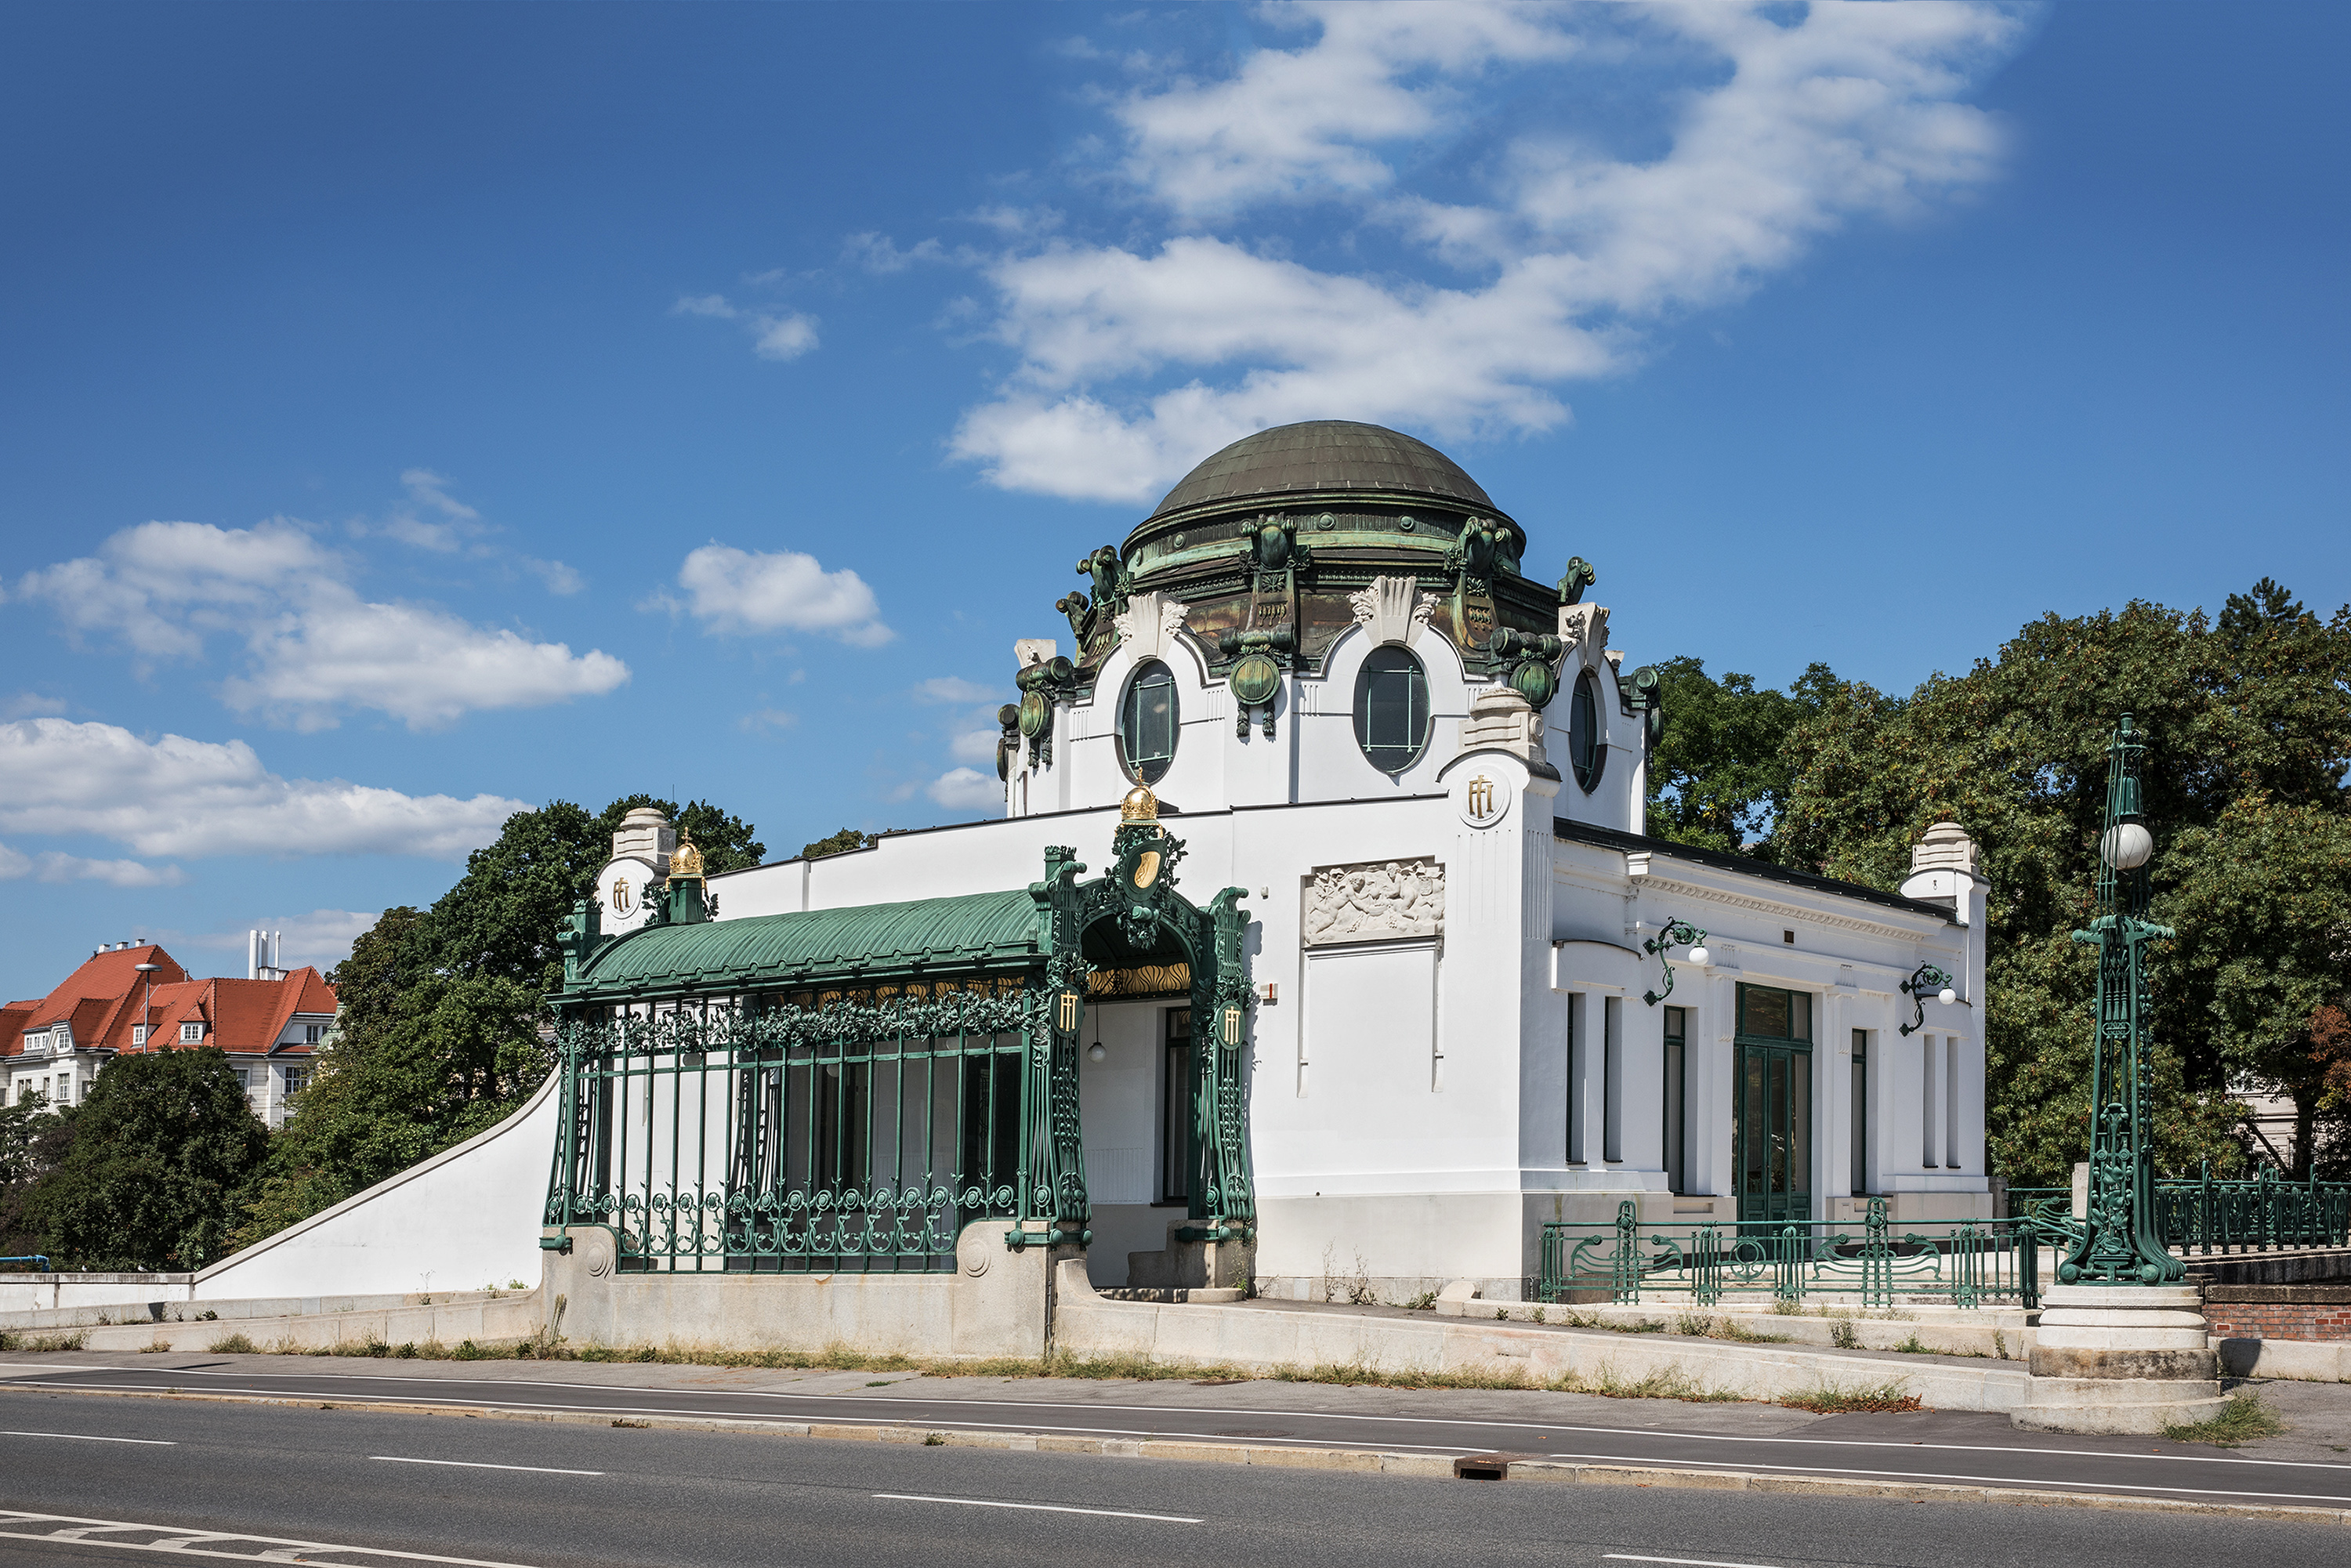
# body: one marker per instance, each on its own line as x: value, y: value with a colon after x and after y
x: 467, y: 1218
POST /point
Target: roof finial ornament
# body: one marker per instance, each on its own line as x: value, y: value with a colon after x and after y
x: 685, y: 862
x: 1140, y: 805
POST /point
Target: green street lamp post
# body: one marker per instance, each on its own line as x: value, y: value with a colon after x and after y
x: 2119, y: 1242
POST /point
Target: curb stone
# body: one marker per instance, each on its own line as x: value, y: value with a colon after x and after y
x: 1361, y: 1462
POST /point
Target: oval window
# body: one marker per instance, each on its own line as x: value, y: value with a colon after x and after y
x: 1585, y: 752
x: 1146, y: 723
x: 1391, y: 708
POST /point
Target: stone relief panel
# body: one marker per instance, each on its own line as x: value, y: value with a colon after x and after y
x: 1377, y: 901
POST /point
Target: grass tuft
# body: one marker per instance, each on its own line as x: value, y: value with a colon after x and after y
x: 2241, y: 1420
x: 1831, y: 1400
x: 1844, y: 1335
x: 232, y: 1344
x: 37, y: 1342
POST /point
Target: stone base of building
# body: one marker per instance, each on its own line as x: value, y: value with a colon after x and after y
x: 2120, y: 1359
x: 996, y: 1303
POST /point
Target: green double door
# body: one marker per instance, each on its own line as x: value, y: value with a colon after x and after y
x: 1771, y: 1107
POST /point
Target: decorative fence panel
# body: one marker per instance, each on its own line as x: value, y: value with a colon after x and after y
x: 853, y: 1131
x: 1964, y: 1263
x: 2199, y: 1216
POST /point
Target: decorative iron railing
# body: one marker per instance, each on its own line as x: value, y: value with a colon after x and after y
x: 860, y: 1136
x: 2198, y: 1215
x: 1965, y: 1263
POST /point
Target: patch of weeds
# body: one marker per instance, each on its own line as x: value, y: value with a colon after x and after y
x: 155, y: 1347
x: 40, y: 1342
x: 2243, y: 1420
x: 1999, y: 1344
x: 1911, y: 1346
x: 1829, y: 1400
x: 370, y: 1345
x: 1539, y: 1314
x: 1501, y: 1314
x: 208, y: 1316
x: 881, y: 1382
x: 407, y: 1351
x: 232, y: 1344
x: 624, y: 1421
x: 1784, y: 1308
x: 468, y: 1351
x: 1670, y: 1384
x: 1422, y: 1302
x: 1844, y: 1335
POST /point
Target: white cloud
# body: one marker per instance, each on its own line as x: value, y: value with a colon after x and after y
x: 314, y: 646
x: 53, y: 866
x: 768, y: 719
x: 31, y: 704
x: 559, y: 579
x: 732, y: 590
x: 419, y: 665
x: 322, y: 938
x: 975, y: 746
x: 966, y: 789
x: 953, y: 689
x: 785, y: 337
x: 1137, y: 358
x: 878, y: 253
x: 775, y: 334
x: 193, y: 799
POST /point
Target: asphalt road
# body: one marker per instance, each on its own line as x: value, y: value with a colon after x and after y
x: 140, y: 1477
x: 1956, y: 1446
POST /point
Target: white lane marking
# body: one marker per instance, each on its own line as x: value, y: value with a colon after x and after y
x: 477, y: 1465
x: 11, y: 1369
x: 1619, y: 1432
x: 87, y: 1437
x: 1683, y: 1561
x: 1237, y: 1410
x: 179, y: 1542
x: 2073, y: 1486
x: 1040, y: 1507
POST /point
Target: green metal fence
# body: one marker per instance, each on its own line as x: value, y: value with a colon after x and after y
x: 1965, y: 1263
x: 2200, y: 1216
x: 820, y: 1131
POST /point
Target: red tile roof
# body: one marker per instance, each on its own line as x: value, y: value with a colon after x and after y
x: 103, y: 1001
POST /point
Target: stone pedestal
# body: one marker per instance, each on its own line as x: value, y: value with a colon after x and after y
x: 1200, y: 1255
x: 2120, y: 1358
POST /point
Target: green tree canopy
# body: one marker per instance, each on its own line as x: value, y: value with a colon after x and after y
x: 162, y: 1142
x: 1720, y: 775
x: 2255, y: 706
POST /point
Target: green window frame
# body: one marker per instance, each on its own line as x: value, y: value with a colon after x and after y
x: 1177, y: 1136
x: 1860, y: 1119
x: 1148, y: 719
x: 1676, y: 1086
x: 1587, y: 756
x: 1391, y: 708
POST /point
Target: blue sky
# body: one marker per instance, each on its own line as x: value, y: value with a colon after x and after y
x: 407, y: 412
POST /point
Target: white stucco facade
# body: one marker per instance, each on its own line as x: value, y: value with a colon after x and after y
x: 1426, y: 1090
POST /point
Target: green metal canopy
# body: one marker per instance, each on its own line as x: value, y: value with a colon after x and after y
x: 973, y: 931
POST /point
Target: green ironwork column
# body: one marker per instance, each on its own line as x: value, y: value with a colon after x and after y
x: 1223, y: 1188
x: 1052, y: 1156
x: 2121, y: 1242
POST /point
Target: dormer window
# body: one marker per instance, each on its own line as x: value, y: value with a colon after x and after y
x: 139, y: 1034
x: 192, y: 1033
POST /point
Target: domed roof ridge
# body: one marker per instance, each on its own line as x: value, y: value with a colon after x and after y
x: 1323, y: 455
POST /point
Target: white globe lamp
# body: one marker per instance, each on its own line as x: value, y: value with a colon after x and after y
x: 2126, y: 846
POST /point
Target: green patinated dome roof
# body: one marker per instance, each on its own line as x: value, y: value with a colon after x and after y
x: 1324, y: 455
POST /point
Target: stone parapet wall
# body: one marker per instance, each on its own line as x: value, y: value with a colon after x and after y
x: 2305, y: 1312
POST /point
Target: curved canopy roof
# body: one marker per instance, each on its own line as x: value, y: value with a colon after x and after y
x: 765, y: 952
x: 1324, y: 454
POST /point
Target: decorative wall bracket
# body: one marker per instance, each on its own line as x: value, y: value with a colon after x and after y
x: 1255, y: 679
x: 1484, y: 551
x: 1530, y: 663
x: 1147, y: 626
x: 1676, y: 933
x: 1042, y: 685
x: 1392, y: 610
x: 1925, y: 980
x: 1273, y: 555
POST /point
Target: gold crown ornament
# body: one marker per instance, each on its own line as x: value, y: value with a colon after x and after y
x: 1140, y: 806
x: 685, y: 861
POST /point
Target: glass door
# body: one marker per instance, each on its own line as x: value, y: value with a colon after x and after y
x: 1772, y: 1106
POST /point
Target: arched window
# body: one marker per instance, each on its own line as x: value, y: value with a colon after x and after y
x: 1391, y: 708
x: 1585, y: 752
x: 1146, y: 723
